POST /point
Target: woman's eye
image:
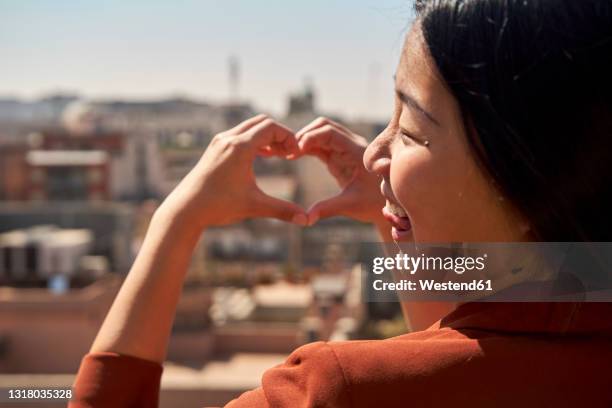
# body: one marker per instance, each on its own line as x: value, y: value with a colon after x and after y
x: 406, y: 136
x: 409, y: 138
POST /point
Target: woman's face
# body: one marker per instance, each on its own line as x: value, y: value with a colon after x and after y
x: 435, y: 190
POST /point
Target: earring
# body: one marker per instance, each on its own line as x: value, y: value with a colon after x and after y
x: 426, y: 143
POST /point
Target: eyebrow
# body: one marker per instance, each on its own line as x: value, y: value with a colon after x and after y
x: 411, y: 102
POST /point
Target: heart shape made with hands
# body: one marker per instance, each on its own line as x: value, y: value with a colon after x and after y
x: 341, y: 151
x: 222, y: 188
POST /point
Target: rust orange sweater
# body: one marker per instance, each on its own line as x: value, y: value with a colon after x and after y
x: 481, y: 355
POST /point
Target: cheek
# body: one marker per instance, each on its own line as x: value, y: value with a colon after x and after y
x: 415, y: 181
x: 435, y: 188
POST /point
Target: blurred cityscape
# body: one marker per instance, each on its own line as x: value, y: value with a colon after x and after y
x: 79, y: 182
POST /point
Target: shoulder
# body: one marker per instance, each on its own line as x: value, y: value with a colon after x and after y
x: 311, y: 376
x: 420, y: 364
x: 311, y: 372
x: 358, y: 372
x: 405, y: 359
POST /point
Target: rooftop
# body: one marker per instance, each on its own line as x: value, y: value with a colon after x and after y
x: 283, y: 294
x: 240, y: 371
x: 66, y: 157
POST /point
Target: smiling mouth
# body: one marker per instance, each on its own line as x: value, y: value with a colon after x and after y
x: 397, y: 217
x: 395, y: 214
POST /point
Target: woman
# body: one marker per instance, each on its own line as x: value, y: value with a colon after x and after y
x: 501, y: 132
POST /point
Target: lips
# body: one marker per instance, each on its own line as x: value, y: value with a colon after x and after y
x: 395, y: 214
x: 400, y: 223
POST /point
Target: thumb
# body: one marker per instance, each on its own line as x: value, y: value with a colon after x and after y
x: 340, y: 204
x: 267, y: 206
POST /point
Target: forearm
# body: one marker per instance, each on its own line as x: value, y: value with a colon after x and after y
x: 140, y: 319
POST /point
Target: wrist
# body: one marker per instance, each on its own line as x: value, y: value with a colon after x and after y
x: 178, y: 220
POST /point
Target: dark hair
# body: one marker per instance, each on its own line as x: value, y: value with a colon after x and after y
x: 533, y: 79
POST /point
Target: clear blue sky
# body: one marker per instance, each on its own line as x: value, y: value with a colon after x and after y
x: 148, y: 49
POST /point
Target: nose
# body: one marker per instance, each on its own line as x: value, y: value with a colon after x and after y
x: 377, y: 157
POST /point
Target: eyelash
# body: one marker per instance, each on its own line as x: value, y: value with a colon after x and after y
x: 405, y: 135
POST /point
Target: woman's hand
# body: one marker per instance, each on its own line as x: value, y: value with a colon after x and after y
x: 342, y: 151
x: 221, y: 187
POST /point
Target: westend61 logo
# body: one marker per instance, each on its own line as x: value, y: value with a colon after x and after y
x: 412, y: 264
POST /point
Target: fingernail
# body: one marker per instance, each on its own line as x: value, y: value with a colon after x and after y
x: 312, y: 219
x: 300, y: 219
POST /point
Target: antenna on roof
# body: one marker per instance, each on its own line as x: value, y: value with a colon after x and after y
x: 234, y: 77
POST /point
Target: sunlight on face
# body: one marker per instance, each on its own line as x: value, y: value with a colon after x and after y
x: 426, y: 163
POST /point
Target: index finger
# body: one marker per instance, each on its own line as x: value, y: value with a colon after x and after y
x: 269, y: 132
x: 320, y: 122
x: 247, y: 124
x: 326, y: 137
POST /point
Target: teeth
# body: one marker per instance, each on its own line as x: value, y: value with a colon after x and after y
x: 396, y: 209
